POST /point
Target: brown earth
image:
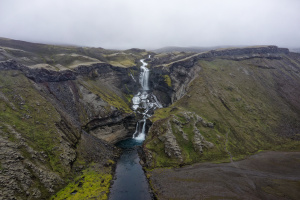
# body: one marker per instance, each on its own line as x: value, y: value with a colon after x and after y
x: 266, y: 175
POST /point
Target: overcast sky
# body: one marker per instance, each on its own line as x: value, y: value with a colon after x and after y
x: 152, y: 23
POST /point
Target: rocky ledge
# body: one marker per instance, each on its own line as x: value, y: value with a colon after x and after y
x: 41, y: 75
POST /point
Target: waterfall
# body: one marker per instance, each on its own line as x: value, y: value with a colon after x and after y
x: 144, y: 102
x: 136, y: 133
x: 144, y: 76
x: 141, y: 135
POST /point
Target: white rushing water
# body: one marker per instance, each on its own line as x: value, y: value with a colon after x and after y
x: 144, y: 102
x: 144, y: 76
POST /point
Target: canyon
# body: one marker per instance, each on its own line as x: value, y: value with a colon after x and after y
x: 63, y: 109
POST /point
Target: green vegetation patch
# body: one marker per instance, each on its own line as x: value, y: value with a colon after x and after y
x: 163, y: 113
x: 121, y: 59
x: 168, y: 80
x: 90, y: 185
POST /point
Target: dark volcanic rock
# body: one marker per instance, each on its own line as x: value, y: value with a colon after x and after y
x: 94, y: 150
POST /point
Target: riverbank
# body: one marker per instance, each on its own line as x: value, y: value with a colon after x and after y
x: 266, y: 175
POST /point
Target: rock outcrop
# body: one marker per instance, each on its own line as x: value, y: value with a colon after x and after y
x: 175, y: 137
x: 172, y: 148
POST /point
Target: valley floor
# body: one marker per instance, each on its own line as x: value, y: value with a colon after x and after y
x: 266, y: 175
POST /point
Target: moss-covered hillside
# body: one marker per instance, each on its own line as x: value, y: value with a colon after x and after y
x: 232, y: 107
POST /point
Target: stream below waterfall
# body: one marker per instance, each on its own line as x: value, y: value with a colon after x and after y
x: 130, y: 182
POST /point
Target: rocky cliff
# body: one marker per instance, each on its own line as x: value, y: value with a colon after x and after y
x: 63, y: 108
x: 56, y: 124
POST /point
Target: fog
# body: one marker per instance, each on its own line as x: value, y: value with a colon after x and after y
x: 152, y: 24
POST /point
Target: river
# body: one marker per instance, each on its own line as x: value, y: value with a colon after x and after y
x: 130, y: 182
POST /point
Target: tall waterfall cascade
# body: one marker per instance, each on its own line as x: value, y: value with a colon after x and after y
x: 144, y: 102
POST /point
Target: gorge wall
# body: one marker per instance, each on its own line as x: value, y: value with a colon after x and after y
x: 56, y: 124
x: 45, y: 115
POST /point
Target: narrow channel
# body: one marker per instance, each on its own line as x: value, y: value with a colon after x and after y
x: 130, y: 182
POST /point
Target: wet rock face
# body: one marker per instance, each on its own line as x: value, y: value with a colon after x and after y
x: 112, y: 128
x: 111, y: 134
x: 180, y: 74
x: 160, y: 88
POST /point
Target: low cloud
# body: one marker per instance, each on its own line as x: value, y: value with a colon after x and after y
x: 152, y: 24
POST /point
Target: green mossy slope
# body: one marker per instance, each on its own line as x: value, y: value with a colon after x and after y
x: 246, y: 105
x: 92, y: 184
x: 31, y: 115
